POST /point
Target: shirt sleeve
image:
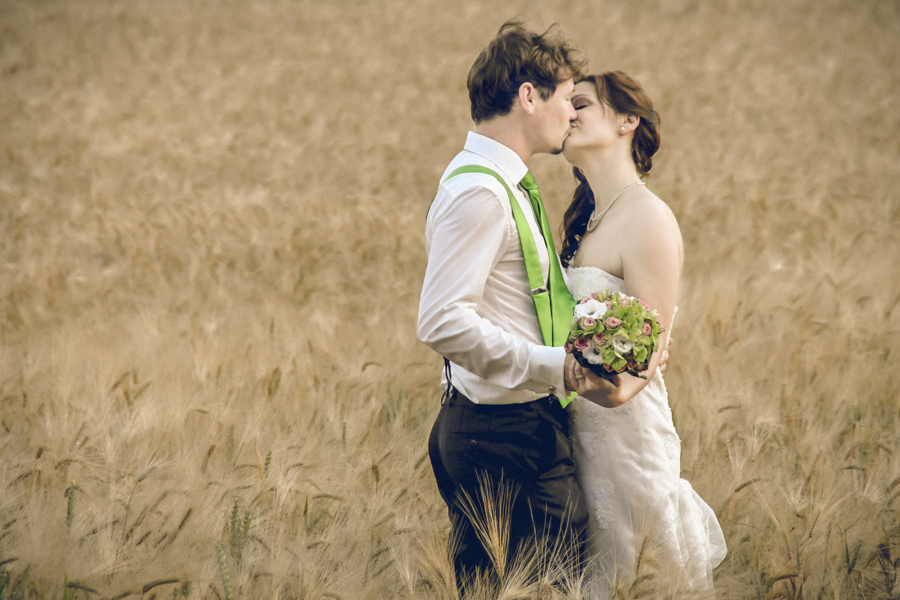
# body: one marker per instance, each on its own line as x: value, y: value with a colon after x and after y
x: 469, y: 233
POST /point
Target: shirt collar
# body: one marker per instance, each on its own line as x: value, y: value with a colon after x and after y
x: 504, y: 157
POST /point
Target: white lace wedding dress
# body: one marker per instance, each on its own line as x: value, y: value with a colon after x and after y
x: 629, y: 466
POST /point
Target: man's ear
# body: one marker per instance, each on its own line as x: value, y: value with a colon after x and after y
x: 527, y: 97
x: 628, y: 123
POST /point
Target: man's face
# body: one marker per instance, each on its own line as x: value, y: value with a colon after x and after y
x: 554, y: 117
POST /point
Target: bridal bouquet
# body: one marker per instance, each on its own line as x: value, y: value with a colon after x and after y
x: 613, y: 333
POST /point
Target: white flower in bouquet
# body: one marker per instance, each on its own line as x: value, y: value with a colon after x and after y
x: 622, y: 344
x: 592, y: 354
x: 592, y: 309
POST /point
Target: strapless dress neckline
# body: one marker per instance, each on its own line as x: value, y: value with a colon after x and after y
x: 583, y: 281
x: 589, y: 268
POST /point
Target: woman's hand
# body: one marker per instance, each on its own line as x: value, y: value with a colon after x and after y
x: 664, y: 358
x: 608, y: 393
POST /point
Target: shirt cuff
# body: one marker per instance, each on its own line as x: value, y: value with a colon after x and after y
x: 548, y: 365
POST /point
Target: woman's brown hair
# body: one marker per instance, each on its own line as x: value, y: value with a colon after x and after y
x: 626, y: 97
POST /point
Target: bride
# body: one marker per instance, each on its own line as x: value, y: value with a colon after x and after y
x: 619, y: 237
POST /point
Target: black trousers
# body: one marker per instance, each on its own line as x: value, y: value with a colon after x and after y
x: 525, y: 447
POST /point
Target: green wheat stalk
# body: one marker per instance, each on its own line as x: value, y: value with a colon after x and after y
x: 223, y: 569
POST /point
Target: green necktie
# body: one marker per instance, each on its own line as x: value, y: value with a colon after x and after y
x: 562, y: 305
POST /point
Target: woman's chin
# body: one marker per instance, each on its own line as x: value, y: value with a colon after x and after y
x: 570, y: 153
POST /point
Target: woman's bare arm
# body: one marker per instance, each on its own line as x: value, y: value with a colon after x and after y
x: 651, y: 250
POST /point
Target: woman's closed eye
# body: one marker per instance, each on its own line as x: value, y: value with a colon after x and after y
x: 580, y: 103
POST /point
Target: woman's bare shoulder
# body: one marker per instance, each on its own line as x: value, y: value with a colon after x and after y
x: 648, y: 213
x: 651, y: 234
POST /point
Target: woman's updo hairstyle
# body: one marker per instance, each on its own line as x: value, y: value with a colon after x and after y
x: 626, y: 97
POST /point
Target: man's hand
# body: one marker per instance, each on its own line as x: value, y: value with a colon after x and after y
x: 599, y: 390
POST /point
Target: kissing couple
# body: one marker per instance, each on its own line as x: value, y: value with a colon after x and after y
x: 593, y: 483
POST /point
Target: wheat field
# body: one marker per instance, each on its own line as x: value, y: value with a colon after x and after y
x: 212, y: 247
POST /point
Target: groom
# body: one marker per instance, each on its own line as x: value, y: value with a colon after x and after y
x: 494, y: 304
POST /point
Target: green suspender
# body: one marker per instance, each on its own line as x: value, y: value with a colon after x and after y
x: 554, y: 324
x: 539, y: 292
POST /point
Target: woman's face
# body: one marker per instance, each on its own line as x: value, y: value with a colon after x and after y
x: 595, y: 126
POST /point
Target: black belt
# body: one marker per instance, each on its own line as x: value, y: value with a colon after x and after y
x: 456, y: 397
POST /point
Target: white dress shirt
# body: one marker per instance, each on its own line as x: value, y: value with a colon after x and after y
x: 476, y: 307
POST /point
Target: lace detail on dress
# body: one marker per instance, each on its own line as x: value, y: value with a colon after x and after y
x: 673, y: 451
x: 584, y: 281
x: 602, y: 429
x: 602, y: 491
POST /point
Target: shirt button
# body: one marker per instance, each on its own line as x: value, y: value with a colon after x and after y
x: 552, y: 389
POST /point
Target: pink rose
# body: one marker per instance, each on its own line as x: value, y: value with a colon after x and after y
x: 625, y: 301
x: 608, y: 303
x: 647, y: 329
x: 644, y: 304
x: 568, y: 348
x: 583, y: 300
x: 599, y: 339
x: 581, y: 343
x: 587, y: 322
x: 595, y: 295
x: 613, y: 322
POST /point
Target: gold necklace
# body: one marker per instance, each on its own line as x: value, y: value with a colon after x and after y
x: 594, y: 220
